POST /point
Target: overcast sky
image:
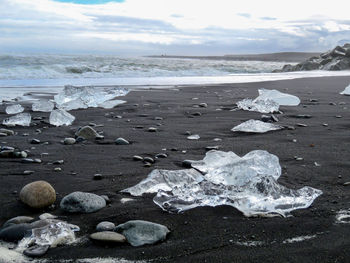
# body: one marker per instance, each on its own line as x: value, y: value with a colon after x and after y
x: 182, y: 27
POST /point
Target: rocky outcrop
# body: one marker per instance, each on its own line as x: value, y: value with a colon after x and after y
x: 335, y: 59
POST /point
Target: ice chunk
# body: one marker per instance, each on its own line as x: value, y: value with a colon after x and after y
x: 248, y: 183
x: 14, y: 109
x: 283, y: 99
x: 83, y: 97
x: 54, y: 234
x: 255, y: 126
x: 43, y: 106
x: 111, y: 104
x: 60, y: 117
x: 21, y: 119
x: 346, y: 91
x: 263, y: 106
x: 193, y: 137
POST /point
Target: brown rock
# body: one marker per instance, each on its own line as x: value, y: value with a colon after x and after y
x: 38, y: 194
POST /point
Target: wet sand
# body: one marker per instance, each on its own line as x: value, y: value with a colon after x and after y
x: 206, y: 234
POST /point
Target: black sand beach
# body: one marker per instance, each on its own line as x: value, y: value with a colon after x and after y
x: 206, y: 234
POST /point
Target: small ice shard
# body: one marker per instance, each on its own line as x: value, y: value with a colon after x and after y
x: 60, y: 117
x: 14, y: 109
x: 21, y: 119
x: 43, y: 106
x: 263, y: 106
x: 84, y: 97
x: 283, y: 99
x: 346, y: 91
x: 53, y: 234
x: 111, y: 104
x: 268, y: 101
x: 255, y: 126
x: 193, y: 137
x: 248, y: 183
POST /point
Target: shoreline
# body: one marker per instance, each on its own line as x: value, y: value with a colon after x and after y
x: 220, y: 234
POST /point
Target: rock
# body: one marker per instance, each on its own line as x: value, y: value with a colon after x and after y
x: 97, y: 177
x: 80, y: 202
x: 36, y: 251
x: 88, y: 133
x: 16, y: 232
x: 209, y: 148
x: 148, y: 159
x: 187, y: 163
x: 203, y: 105
x: 38, y: 194
x: 3, y: 134
x: 69, y: 141
x: 108, y: 237
x: 58, y: 162
x: 18, y: 220
x: 137, y: 158
x: 139, y: 232
x: 105, y: 226
x: 47, y: 216
x: 161, y: 155
x: 106, y: 198
x: 121, y: 141
x: 152, y: 129
x: 7, y: 132
x: 35, y: 141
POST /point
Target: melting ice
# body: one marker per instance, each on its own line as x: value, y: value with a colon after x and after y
x: 255, y: 126
x: 14, y: 109
x: 43, y: 106
x: 248, y: 183
x: 268, y: 101
x: 21, y: 119
x: 61, y: 117
x: 84, y: 97
x: 346, y: 91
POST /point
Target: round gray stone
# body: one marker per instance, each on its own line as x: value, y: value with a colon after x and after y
x: 108, y: 237
x: 80, y: 202
x: 36, y: 251
x: 121, y: 141
x: 69, y: 141
x: 105, y: 226
x: 139, y: 232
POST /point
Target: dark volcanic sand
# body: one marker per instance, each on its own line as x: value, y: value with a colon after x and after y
x: 203, y: 234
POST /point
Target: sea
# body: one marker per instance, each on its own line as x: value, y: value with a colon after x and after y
x: 20, y: 74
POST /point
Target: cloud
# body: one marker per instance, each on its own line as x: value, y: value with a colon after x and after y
x: 172, y: 27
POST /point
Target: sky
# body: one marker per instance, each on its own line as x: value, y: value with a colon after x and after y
x: 172, y: 27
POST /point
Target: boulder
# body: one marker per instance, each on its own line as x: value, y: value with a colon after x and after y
x: 80, y: 202
x: 139, y: 232
x: 88, y: 133
x: 108, y: 237
x: 38, y: 194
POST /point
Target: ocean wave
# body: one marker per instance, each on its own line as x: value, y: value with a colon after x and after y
x: 18, y: 67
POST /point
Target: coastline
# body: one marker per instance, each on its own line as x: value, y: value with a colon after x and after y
x: 220, y: 234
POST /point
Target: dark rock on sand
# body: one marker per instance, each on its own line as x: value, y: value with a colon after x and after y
x: 139, y: 232
x: 38, y: 194
x: 15, y: 232
x: 88, y: 133
x: 35, y: 141
x: 36, y: 251
x: 105, y: 226
x: 108, y: 237
x: 17, y: 220
x: 7, y: 132
x: 121, y: 141
x: 161, y: 155
x: 80, y: 202
x: 137, y: 158
x: 336, y: 59
x: 148, y: 159
x: 69, y: 141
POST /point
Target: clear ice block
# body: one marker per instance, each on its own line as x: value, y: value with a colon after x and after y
x: 14, y: 109
x: 60, y: 117
x: 21, y: 119
x: 256, y: 126
x: 263, y: 106
x: 346, y: 91
x: 283, y: 99
x: 43, y: 106
x: 248, y: 183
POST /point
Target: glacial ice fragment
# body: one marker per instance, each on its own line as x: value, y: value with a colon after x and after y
x: 84, y: 97
x: 255, y: 126
x: 21, y: 119
x: 346, y: 91
x: 43, y: 106
x: 268, y: 101
x: 193, y: 137
x: 263, y: 106
x: 60, y: 117
x: 54, y: 234
x: 111, y: 104
x: 14, y: 109
x: 248, y: 183
x: 283, y: 99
